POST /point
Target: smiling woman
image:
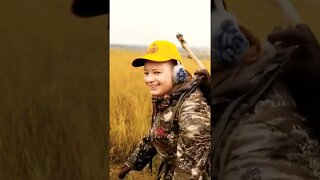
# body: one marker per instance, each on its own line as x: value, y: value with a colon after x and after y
x: 180, y: 130
x: 156, y: 75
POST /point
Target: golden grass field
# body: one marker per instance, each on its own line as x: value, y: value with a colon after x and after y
x: 130, y: 103
x: 53, y: 93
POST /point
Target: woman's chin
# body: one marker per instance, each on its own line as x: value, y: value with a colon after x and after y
x: 156, y: 93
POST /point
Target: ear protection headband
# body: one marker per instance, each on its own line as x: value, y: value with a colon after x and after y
x: 228, y: 42
x: 179, y: 73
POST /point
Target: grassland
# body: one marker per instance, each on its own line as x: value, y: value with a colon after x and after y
x: 53, y: 93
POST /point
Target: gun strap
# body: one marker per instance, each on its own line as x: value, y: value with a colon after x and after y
x: 150, y: 167
x: 160, y: 170
x: 183, y: 96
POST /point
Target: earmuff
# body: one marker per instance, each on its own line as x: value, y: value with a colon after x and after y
x: 179, y: 73
x: 228, y: 42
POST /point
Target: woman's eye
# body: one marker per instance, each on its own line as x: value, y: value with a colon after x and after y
x: 145, y: 73
x: 157, y: 72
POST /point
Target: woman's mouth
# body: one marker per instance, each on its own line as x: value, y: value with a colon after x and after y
x: 152, y: 86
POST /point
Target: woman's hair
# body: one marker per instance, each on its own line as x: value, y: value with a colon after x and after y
x: 173, y: 62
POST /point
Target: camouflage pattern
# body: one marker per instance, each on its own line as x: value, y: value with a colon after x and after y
x: 269, y: 141
x: 182, y: 140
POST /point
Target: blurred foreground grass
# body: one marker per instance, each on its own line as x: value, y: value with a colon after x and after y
x: 53, y: 87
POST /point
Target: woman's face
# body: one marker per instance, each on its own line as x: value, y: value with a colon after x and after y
x: 158, y: 77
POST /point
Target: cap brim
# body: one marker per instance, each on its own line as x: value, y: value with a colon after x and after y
x: 149, y: 57
x: 138, y: 62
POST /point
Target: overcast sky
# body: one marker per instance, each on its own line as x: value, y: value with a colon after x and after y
x: 140, y: 22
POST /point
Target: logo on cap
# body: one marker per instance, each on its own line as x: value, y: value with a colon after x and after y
x: 152, y: 49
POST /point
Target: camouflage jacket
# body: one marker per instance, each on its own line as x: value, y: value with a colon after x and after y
x: 267, y: 141
x: 182, y: 140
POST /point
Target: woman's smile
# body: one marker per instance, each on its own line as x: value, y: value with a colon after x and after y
x: 153, y: 86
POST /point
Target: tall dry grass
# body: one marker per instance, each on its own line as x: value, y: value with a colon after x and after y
x: 53, y: 93
x: 129, y: 105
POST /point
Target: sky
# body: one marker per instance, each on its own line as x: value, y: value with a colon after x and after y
x: 140, y: 22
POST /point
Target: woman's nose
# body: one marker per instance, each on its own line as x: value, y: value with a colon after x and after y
x: 149, y: 78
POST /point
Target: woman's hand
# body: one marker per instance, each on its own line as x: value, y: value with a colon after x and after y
x: 204, y: 73
x: 304, y: 64
x: 302, y: 74
x: 124, y: 171
x: 301, y: 36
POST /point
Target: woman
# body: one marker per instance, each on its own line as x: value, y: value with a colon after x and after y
x: 180, y: 130
x: 260, y: 133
